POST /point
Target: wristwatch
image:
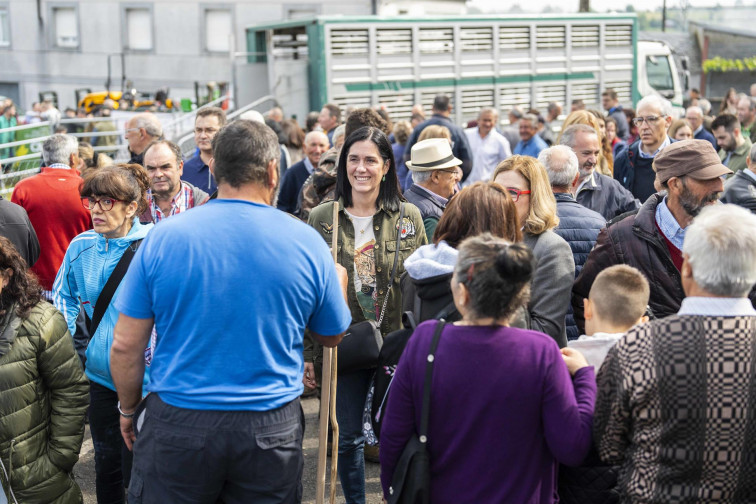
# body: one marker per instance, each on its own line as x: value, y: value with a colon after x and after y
x: 124, y: 415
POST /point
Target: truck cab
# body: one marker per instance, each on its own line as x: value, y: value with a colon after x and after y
x: 658, y: 74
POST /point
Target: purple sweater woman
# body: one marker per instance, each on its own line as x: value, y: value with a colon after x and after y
x: 504, y: 410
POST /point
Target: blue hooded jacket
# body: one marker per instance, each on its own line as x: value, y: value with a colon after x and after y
x: 86, y: 267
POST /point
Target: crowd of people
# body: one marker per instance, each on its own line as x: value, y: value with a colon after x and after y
x: 582, y: 284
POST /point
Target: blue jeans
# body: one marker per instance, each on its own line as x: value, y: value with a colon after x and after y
x: 112, y: 458
x: 351, y: 392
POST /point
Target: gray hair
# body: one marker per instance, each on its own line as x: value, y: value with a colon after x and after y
x: 58, y: 149
x: 242, y: 151
x: 531, y: 118
x: 420, y: 177
x: 751, y: 102
x: 561, y: 165
x: 705, y: 105
x: 339, y: 132
x: 516, y: 112
x: 695, y: 108
x: 569, y: 134
x: 150, y: 123
x: 488, y: 109
x: 663, y: 106
x: 721, y: 249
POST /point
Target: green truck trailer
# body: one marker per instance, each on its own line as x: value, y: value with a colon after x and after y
x: 498, y: 61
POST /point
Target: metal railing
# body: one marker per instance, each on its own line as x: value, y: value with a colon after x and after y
x: 17, y: 167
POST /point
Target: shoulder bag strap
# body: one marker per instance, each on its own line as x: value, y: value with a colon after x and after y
x: 425, y: 413
x: 106, y: 295
x: 396, y: 263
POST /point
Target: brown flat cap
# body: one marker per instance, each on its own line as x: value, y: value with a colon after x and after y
x: 695, y: 158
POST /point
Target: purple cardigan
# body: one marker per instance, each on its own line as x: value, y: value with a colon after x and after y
x: 504, y: 412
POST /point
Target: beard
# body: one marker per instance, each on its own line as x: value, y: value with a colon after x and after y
x: 585, y: 171
x: 693, y: 205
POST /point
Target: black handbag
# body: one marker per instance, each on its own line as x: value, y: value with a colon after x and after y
x: 361, y: 345
x: 410, y: 483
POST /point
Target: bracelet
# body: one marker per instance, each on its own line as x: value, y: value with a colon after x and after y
x: 124, y: 415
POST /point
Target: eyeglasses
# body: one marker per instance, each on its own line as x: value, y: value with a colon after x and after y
x: 516, y: 193
x: 106, y: 204
x: 128, y: 130
x: 649, y: 119
x: 209, y: 131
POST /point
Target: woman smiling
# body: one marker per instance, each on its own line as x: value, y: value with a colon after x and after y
x: 370, y: 202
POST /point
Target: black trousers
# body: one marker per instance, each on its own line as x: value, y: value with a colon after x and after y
x: 204, y: 457
x: 112, y: 458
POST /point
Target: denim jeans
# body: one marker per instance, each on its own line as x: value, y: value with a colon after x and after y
x: 351, y: 393
x: 112, y: 458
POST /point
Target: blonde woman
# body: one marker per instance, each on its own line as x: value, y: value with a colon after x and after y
x: 605, y: 162
x: 526, y: 181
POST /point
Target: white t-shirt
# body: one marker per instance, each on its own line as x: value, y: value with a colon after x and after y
x: 364, y: 264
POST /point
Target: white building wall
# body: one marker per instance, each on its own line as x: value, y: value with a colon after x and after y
x: 32, y: 63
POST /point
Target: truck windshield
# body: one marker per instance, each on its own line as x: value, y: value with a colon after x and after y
x: 659, y: 73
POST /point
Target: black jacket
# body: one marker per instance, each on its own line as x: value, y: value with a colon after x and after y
x: 740, y: 189
x: 579, y: 226
x: 635, y: 173
x: 635, y: 241
x: 606, y: 196
x: 16, y: 226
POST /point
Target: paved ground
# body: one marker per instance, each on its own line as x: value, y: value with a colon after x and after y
x: 84, y: 470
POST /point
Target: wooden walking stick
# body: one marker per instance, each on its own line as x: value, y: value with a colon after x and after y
x: 328, y: 400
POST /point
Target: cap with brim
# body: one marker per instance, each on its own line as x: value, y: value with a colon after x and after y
x: 693, y: 158
x: 432, y: 154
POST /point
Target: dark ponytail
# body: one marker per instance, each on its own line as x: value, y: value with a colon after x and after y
x: 497, y: 275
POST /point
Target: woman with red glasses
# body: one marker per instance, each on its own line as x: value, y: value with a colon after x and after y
x: 528, y: 184
x: 115, y: 195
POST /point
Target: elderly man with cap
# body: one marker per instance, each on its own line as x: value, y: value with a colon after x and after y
x: 435, y: 176
x: 690, y: 172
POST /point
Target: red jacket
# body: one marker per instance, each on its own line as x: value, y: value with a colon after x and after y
x: 54, y: 206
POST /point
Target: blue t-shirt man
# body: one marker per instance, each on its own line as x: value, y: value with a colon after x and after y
x: 229, y: 312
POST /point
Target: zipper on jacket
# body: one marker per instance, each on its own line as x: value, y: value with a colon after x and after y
x: 8, y: 473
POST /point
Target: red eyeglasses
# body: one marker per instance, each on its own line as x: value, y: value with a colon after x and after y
x: 516, y: 193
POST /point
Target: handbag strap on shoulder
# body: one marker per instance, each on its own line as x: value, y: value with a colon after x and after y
x: 396, y: 263
x: 425, y: 413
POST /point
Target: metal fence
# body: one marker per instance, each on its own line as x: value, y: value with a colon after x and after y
x: 21, y: 146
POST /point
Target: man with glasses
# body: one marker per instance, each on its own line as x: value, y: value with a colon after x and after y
x: 168, y: 194
x: 695, y: 116
x: 208, y: 122
x: 141, y: 130
x: 435, y: 176
x: 633, y: 167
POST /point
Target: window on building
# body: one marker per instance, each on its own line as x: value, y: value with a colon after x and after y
x: 218, y: 30
x: 4, y: 26
x: 66, y: 27
x: 138, y: 28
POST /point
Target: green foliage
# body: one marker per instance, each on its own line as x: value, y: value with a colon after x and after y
x: 719, y: 64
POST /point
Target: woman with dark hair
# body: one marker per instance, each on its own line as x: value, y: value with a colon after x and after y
x: 503, y: 408
x: 479, y: 208
x: 370, y: 201
x: 115, y: 195
x: 526, y: 180
x: 294, y: 139
x: 43, y: 392
x: 729, y: 103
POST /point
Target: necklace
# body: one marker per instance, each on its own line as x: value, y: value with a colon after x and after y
x: 369, y: 222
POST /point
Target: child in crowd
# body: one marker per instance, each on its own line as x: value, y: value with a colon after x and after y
x: 617, y: 301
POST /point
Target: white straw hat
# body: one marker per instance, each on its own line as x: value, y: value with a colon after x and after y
x: 432, y: 154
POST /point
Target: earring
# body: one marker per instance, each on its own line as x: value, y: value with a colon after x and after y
x: 383, y: 179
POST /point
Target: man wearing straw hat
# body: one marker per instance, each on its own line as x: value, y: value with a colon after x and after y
x: 435, y: 176
x: 223, y: 420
